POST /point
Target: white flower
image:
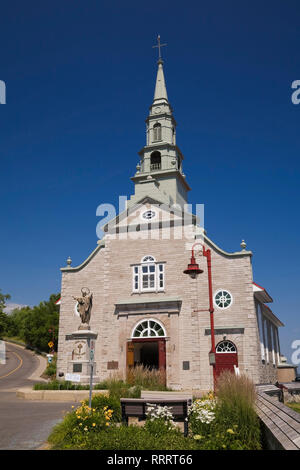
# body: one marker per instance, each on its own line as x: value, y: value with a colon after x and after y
x: 157, y: 412
x: 203, y: 410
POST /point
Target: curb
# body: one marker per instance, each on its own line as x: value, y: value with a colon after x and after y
x: 36, y: 375
x: 57, y: 395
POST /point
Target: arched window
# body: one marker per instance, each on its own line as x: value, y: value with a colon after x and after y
x: 148, y: 259
x: 157, y: 131
x: 155, y: 163
x: 225, y: 347
x: 148, y: 329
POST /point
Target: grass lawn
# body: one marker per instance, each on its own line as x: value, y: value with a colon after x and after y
x: 294, y: 406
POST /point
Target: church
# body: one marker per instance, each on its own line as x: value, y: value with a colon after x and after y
x: 152, y: 304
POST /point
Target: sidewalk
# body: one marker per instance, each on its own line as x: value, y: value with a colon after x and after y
x: 57, y: 395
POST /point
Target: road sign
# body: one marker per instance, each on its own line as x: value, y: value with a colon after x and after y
x: 50, y: 344
x: 73, y: 377
x: 50, y: 357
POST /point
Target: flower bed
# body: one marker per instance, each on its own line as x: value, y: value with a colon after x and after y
x: 225, y: 421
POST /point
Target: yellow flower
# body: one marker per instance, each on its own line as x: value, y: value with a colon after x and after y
x: 94, y: 424
x: 107, y: 424
x: 197, y: 437
x: 230, y: 431
x: 73, y: 406
x: 80, y: 424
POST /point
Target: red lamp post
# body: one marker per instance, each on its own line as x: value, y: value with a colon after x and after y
x: 193, y: 270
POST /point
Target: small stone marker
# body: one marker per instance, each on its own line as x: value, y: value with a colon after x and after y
x: 2, y: 353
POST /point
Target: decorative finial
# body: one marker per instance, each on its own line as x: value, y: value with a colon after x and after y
x: 243, y: 245
x: 159, y: 45
x: 138, y: 168
x: 69, y: 261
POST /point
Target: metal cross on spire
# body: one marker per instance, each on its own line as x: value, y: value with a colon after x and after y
x: 159, y: 45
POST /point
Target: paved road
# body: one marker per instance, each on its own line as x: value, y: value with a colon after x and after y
x: 24, y: 424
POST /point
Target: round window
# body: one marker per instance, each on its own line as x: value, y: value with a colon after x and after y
x: 148, y: 215
x: 223, y: 299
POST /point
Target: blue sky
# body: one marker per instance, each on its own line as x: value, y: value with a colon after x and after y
x: 80, y: 78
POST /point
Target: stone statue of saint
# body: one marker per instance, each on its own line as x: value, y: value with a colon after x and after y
x: 84, y: 306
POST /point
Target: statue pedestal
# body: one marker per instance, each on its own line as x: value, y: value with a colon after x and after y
x: 83, y: 355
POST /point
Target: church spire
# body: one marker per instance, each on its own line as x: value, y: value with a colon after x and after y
x: 160, y: 85
x: 159, y: 173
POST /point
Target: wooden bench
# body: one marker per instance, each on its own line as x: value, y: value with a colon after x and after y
x: 138, y: 407
x: 281, y: 424
x: 177, y: 395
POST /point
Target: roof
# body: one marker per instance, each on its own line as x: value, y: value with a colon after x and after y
x: 261, y: 294
x: 272, y: 317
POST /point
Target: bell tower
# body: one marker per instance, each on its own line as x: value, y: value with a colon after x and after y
x: 159, y: 174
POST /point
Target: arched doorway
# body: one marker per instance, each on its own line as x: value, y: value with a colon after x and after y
x: 147, y: 346
x: 226, y: 356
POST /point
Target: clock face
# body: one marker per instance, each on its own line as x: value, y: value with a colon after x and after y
x: 157, y: 110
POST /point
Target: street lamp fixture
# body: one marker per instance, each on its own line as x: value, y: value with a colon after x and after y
x: 193, y: 270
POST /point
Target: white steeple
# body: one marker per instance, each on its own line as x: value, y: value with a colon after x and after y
x: 160, y: 86
x: 159, y: 174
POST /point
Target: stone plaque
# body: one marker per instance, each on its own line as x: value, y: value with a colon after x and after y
x: 112, y: 365
x: 77, y: 367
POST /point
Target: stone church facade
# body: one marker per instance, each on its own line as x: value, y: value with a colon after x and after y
x: 146, y: 310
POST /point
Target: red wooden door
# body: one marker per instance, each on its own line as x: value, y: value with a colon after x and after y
x: 226, y: 361
x: 130, y: 354
x: 162, y: 354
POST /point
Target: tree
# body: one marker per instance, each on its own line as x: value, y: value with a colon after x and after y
x: 39, y: 320
x: 32, y: 324
x: 3, y: 298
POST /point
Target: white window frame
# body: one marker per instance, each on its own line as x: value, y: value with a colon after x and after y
x: 148, y: 320
x: 137, y: 275
x: 228, y: 292
x: 226, y: 352
x: 157, y: 132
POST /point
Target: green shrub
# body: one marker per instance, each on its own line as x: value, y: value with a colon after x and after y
x: 59, y: 385
x: 112, y: 402
x: 119, y: 389
x: 120, y: 437
x: 150, y: 379
x: 236, y: 407
x: 294, y: 406
x: 80, y: 426
x: 228, y: 421
x: 50, y: 370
